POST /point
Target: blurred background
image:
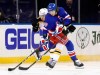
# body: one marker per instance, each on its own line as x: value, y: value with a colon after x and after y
x: 24, y: 11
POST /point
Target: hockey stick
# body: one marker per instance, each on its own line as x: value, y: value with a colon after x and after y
x: 11, y: 69
x: 26, y: 68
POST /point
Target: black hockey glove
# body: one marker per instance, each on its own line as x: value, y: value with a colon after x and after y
x: 69, y: 29
x: 65, y: 31
x: 35, y: 25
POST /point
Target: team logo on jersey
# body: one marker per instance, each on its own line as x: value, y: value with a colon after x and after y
x: 82, y: 37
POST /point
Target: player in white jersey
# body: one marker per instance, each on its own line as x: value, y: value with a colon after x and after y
x: 54, y: 53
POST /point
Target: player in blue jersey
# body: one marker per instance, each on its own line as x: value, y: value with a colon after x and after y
x: 54, y: 29
x: 55, y: 16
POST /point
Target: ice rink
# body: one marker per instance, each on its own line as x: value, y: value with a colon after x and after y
x: 66, y: 68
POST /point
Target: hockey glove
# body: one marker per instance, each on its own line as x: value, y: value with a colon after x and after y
x: 44, y: 44
x: 69, y: 29
x: 59, y: 29
x: 65, y: 31
x: 44, y: 41
x: 35, y: 25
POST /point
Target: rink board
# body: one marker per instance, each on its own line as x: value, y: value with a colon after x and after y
x: 18, y: 41
x: 63, y: 58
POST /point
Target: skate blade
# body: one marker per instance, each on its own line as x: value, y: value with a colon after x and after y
x: 79, y: 67
x: 48, y: 68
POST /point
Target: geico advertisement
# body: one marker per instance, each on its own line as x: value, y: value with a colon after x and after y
x: 21, y: 38
x: 17, y: 38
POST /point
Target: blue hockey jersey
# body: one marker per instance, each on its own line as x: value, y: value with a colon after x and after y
x: 52, y: 21
x: 62, y: 16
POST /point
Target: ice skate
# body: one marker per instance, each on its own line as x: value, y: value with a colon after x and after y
x: 51, y: 63
x: 78, y: 64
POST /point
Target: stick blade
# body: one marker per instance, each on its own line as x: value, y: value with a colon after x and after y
x: 11, y: 69
x: 23, y: 68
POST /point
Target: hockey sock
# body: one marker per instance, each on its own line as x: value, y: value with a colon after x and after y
x: 72, y: 55
x: 71, y: 52
x: 55, y: 53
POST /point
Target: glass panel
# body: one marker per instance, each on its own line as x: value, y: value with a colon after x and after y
x: 71, y: 6
x: 86, y: 11
x: 7, y: 11
x: 89, y: 11
x: 25, y: 11
x: 44, y: 3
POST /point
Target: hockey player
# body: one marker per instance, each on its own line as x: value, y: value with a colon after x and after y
x: 39, y: 24
x: 53, y: 26
x: 55, y: 33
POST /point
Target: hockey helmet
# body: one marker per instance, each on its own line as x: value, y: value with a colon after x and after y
x: 43, y: 12
x: 51, y: 7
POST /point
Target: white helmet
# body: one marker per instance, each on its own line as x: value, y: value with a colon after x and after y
x: 43, y: 11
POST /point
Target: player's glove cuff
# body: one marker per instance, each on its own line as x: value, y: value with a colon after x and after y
x: 71, y: 28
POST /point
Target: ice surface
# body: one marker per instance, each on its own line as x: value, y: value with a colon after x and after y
x: 92, y: 68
